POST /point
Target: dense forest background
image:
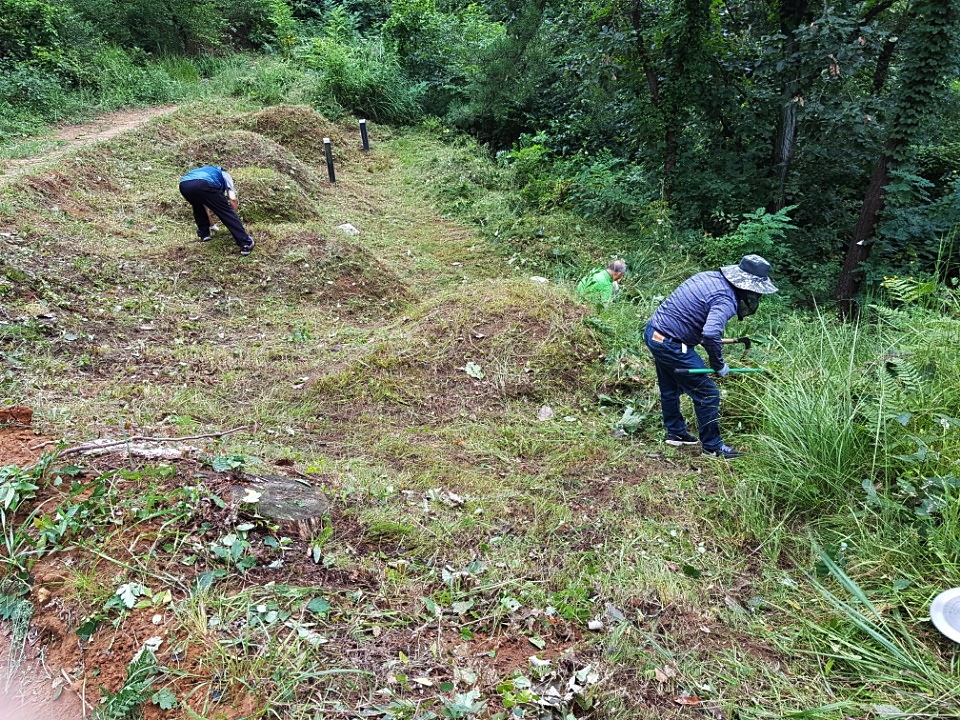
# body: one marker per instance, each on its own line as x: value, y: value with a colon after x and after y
x: 832, y: 125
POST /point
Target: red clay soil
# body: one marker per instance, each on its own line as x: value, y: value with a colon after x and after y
x: 20, y: 444
x: 28, y: 691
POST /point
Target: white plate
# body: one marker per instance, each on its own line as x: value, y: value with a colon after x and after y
x: 945, y: 613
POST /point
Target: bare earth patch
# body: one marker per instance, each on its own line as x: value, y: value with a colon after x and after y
x: 75, y: 137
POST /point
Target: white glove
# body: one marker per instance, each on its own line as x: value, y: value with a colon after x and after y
x: 722, y: 372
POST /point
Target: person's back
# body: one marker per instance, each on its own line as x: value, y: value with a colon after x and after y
x: 211, y: 173
x: 699, y: 308
x: 601, y: 285
x: 597, y: 286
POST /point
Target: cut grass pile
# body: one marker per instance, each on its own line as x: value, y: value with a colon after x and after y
x: 493, y: 549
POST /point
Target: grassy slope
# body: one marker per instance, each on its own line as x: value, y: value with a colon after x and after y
x: 467, y: 535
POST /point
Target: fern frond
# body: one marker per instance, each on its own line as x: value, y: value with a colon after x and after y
x: 906, y: 374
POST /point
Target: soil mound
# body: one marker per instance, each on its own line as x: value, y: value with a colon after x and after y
x: 269, y: 196
x: 302, y: 130
x: 241, y: 148
x: 473, y: 349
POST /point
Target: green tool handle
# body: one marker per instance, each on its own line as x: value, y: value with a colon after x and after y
x: 704, y: 371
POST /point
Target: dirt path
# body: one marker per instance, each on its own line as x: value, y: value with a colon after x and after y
x: 30, y: 695
x: 78, y: 136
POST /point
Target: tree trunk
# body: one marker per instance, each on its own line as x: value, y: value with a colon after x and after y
x: 793, y: 13
x: 783, y: 148
x: 859, y: 249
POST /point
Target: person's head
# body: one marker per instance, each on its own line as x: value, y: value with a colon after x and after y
x: 617, y: 269
x: 750, y: 280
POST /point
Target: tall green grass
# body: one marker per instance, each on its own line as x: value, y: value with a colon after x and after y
x: 851, y: 409
x: 816, y: 439
x: 873, y: 648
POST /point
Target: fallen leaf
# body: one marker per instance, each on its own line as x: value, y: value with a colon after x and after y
x: 664, y: 674
x: 687, y: 700
x: 473, y: 370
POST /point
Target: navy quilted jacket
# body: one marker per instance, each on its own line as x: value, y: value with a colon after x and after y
x: 697, y: 312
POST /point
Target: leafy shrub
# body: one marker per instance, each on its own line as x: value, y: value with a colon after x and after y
x: 31, y: 88
x: 30, y: 29
x: 533, y: 172
x: 265, y: 24
x: 365, y: 79
x: 760, y: 233
x: 609, y: 189
x: 909, y: 236
x: 440, y: 49
x: 173, y: 26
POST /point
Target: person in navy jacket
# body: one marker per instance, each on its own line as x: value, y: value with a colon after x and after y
x: 696, y: 314
x: 212, y: 187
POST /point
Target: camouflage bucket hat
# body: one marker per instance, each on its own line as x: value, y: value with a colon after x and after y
x: 753, y: 273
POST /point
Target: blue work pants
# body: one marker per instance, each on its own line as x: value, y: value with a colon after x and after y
x: 201, y: 195
x: 670, y: 355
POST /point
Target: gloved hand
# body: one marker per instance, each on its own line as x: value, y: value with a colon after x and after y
x: 722, y: 372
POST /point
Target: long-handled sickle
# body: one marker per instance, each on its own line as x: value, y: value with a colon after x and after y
x: 705, y: 371
x: 743, y: 339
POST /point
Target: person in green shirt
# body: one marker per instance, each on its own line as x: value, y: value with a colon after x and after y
x: 601, y: 285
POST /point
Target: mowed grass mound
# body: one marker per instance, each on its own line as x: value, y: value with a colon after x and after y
x: 269, y: 196
x: 241, y: 148
x: 306, y: 263
x: 301, y: 130
x: 117, y: 310
x: 469, y: 350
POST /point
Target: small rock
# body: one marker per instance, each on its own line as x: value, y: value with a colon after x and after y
x: 538, y: 279
x: 348, y: 229
x: 595, y: 625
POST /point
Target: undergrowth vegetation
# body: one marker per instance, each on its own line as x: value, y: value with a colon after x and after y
x: 505, y: 535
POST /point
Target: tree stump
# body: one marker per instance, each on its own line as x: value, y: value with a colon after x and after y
x: 297, y: 509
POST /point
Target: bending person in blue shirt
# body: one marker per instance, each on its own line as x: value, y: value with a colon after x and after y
x: 210, y: 186
x: 696, y: 314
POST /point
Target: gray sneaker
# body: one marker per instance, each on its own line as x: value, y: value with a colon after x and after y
x: 677, y: 440
x: 248, y: 248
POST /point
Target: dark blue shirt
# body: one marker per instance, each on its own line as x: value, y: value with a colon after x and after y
x: 697, y: 312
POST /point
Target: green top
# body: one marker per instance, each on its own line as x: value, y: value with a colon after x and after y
x: 596, y: 286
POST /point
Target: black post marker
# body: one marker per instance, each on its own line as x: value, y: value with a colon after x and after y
x: 328, y: 151
x: 363, y: 136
